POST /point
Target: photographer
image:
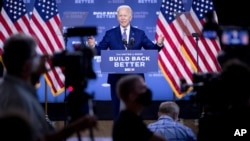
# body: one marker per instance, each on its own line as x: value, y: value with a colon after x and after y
x: 224, y: 97
x: 17, y: 90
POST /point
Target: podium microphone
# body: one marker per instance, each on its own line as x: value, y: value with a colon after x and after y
x: 124, y: 41
x: 131, y: 42
x: 196, y: 35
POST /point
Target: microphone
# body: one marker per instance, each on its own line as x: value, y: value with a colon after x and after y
x: 131, y: 42
x: 196, y: 35
x: 124, y: 41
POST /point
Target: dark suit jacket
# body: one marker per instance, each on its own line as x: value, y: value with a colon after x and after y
x: 113, y: 40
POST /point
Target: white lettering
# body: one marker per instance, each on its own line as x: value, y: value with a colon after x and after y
x: 129, y: 64
x: 141, y: 58
x: 116, y: 64
x: 84, y: 1
x: 240, y: 132
x: 118, y: 58
x: 147, y: 1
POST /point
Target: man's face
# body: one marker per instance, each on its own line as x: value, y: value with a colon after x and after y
x: 124, y: 17
x: 91, y: 41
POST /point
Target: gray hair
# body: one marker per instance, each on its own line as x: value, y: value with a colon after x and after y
x: 124, y: 6
x: 169, y: 107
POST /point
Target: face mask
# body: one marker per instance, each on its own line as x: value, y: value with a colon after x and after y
x: 145, y: 98
x: 35, y: 64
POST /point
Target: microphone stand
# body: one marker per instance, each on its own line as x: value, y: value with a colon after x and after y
x: 91, y: 112
x: 65, y: 93
x: 196, y: 36
x: 89, y: 101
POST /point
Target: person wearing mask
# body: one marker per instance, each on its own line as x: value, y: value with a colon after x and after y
x: 18, y: 92
x: 129, y: 125
x: 167, y: 124
x: 124, y: 37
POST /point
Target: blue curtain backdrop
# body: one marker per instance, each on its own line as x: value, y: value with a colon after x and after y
x: 102, y: 14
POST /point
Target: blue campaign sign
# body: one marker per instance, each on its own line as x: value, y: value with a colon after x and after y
x: 129, y: 61
x: 101, y: 89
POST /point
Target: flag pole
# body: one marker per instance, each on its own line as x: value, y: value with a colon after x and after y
x: 46, y: 104
x: 46, y: 98
x: 174, y: 97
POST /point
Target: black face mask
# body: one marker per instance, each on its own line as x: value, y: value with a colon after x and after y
x: 145, y: 98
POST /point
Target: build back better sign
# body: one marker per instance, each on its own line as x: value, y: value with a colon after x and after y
x: 129, y: 61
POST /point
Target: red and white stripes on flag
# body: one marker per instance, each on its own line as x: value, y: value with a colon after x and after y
x: 207, y: 49
x: 13, y: 19
x: 46, y: 27
x: 171, y: 60
x: 181, y: 57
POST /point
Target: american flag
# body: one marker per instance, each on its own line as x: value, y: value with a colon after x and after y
x: 46, y: 27
x: 13, y: 19
x: 202, y: 56
x: 178, y: 58
x: 171, y: 60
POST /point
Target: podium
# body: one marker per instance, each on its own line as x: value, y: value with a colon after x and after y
x: 129, y: 61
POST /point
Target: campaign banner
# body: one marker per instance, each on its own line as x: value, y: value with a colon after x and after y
x: 129, y: 61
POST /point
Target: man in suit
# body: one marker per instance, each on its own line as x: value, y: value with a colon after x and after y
x: 124, y: 37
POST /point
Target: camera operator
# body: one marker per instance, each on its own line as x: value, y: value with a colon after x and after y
x: 233, y: 111
x: 224, y: 97
x: 17, y: 90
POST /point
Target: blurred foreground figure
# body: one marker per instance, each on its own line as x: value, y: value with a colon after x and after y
x: 129, y: 126
x: 17, y: 88
x: 230, y: 116
x: 15, y: 126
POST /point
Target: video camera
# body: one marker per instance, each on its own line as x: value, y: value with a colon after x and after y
x: 229, y: 36
x: 77, y: 68
x: 209, y: 88
x: 77, y: 64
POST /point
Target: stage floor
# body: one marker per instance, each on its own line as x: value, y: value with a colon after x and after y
x: 105, y: 129
x: 103, y: 110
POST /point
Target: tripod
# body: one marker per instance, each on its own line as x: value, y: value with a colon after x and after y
x: 77, y: 103
x: 196, y: 36
x: 77, y: 70
x: 80, y: 103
